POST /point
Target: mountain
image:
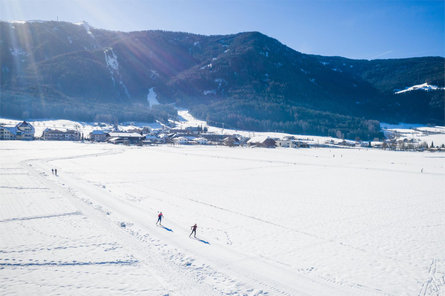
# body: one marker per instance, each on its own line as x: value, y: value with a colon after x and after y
x: 245, y: 81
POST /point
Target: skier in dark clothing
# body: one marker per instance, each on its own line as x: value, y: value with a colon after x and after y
x: 193, y: 230
x: 160, y: 215
x: 55, y: 172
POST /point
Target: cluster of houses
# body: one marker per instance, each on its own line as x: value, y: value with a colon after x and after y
x: 189, y: 136
x: 20, y: 131
x: 196, y: 136
x: 25, y: 131
x: 165, y: 135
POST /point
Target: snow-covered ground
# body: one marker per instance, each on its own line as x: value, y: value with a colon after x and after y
x: 270, y: 222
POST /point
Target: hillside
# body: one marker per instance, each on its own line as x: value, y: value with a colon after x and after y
x: 245, y: 81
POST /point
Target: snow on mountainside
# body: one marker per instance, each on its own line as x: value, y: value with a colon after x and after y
x: 152, y: 97
x: 424, y: 86
x: 86, y: 26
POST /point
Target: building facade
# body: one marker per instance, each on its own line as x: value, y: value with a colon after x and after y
x: 7, y: 132
x: 99, y: 136
x: 21, y: 131
x: 25, y: 131
x: 60, y: 135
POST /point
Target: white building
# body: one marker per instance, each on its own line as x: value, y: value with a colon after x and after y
x: 8, y: 132
x: 21, y: 131
x: 286, y: 143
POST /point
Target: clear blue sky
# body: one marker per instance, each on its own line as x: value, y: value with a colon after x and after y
x: 356, y: 28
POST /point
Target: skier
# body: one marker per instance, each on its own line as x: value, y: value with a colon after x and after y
x: 160, y: 215
x: 52, y: 171
x: 193, y: 230
x: 55, y: 172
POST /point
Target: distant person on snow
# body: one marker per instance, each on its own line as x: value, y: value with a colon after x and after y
x: 55, y: 172
x: 193, y: 230
x: 52, y: 171
x: 160, y: 215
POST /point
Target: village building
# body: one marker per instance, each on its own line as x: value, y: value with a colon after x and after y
x: 347, y: 143
x: 189, y: 131
x: 262, y: 141
x: 201, y: 141
x: 125, y: 138
x: 194, y: 130
x: 163, y: 138
x: 154, y: 128
x: 60, y: 135
x: 98, y: 136
x: 286, y: 143
x: 181, y: 141
x: 214, y: 138
x: 301, y: 144
x: 152, y: 139
x: 25, y: 131
x: 21, y: 131
x: 7, y: 132
x: 232, y: 141
x: 376, y: 144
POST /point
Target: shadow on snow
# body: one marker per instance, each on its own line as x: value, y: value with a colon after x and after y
x: 166, y: 228
x: 202, y: 241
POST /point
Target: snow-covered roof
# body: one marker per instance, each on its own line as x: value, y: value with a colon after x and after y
x: 181, y: 139
x: 8, y: 125
x: 11, y: 128
x: 258, y: 139
x: 62, y: 130
x: 201, y: 140
x: 125, y: 135
x: 98, y: 132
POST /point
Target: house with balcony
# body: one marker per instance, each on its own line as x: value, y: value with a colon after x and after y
x: 25, y: 131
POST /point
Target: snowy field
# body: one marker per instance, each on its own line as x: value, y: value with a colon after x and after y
x: 270, y: 222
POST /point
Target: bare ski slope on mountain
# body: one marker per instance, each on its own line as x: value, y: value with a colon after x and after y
x: 270, y: 222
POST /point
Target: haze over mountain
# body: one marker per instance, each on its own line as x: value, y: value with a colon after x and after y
x: 246, y: 81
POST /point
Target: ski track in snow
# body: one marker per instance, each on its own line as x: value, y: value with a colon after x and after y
x: 191, y: 284
x: 59, y: 232
x: 201, y: 273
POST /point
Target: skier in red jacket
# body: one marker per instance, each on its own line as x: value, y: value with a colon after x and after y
x: 160, y: 215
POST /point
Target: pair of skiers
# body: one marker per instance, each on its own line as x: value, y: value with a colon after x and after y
x: 193, y: 228
x: 54, y: 171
